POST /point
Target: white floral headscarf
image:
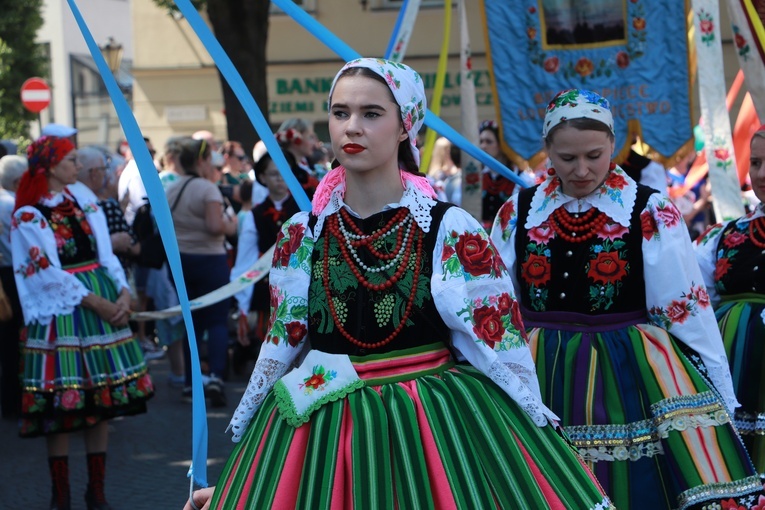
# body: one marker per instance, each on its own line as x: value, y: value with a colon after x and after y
x: 407, y: 88
x: 577, y: 104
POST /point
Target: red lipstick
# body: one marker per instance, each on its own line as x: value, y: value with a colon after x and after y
x: 353, y: 148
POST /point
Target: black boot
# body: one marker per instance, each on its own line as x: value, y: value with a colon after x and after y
x: 94, y: 496
x: 59, y: 475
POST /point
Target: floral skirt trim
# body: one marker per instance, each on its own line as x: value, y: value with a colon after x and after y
x: 741, y: 323
x: 741, y: 494
x: 447, y: 440
x: 642, y: 415
x: 78, y: 370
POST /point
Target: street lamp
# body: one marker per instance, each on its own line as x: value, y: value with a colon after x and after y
x: 112, y: 52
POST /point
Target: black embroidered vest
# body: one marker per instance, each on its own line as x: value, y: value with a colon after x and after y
x: 599, y: 276
x: 740, y: 266
x: 75, y: 240
x: 370, y: 316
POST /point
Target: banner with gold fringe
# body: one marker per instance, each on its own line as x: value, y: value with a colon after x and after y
x: 635, y: 53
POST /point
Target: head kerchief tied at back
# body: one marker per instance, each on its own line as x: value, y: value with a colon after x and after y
x: 577, y: 104
x: 43, y: 154
x: 407, y: 88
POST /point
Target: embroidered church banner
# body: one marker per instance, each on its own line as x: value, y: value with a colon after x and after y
x: 635, y: 53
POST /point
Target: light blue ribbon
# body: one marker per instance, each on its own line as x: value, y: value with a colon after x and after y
x: 235, y: 81
x: 161, y: 210
x: 347, y: 53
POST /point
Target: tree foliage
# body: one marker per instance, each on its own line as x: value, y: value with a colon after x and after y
x: 20, y: 58
x: 241, y: 27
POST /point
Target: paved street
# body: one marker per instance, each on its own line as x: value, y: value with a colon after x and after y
x: 147, y: 460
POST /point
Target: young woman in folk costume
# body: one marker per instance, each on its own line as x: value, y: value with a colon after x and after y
x: 732, y: 260
x: 388, y: 284
x: 80, y: 363
x: 297, y: 138
x: 620, y: 323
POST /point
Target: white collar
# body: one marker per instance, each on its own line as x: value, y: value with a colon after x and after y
x: 54, y: 198
x: 418, y: 203
x: 758, y: 212
x: 615, y: 197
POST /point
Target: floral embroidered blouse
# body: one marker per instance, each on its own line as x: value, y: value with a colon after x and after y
x: 676, y: 298
x: 469, y: 284
x: 40, y: 245
x: 730, y: 261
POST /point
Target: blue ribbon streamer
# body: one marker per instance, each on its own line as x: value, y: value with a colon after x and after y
x: 161, y: 210
x: 432, y: 120
x: 396, y: 30
x: 235, y: 81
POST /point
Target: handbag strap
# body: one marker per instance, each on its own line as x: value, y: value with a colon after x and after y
x: 180, y: 193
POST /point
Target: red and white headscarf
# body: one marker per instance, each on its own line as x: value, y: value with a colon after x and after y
x: 42, y: 154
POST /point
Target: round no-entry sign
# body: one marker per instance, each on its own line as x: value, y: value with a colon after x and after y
x: 35, y: 95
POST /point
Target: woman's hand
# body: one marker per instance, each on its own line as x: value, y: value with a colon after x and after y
x: 202, y: 498
x: 121, y: 242
x: 106, y: 310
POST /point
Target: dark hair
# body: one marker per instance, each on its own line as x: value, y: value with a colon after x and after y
x: 230, y: 147
x: 245, y: 190
x: 405, y: 156
x: 190, y: 154
x: 261, y: 165
x: 582, y: 124
x: 455, y: 153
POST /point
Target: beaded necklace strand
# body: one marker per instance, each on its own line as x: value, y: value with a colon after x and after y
x: 757, y: 232
x: 349, y: 237
x: 575, y: 228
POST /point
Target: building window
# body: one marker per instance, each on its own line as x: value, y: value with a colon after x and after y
x: 307, y: 5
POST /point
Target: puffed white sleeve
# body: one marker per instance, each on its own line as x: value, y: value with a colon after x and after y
x: 705, y: 248
x: 503, y: 233
x: 676, y: 297
x: 45, y: 290
x: 474, y: 296
x: 246, y: 255
x: 287, y: 336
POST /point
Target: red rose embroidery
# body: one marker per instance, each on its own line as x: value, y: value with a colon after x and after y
x: 536, y: 270
x: 70, y: 399
x: 740, y: 41
x: 295, y: 233
x: 551, y: 187
x: 27, y: 216
x: 474, y: 254
x: 504, y: 302
x: 722, y: 154
x: 488, y: 325
x: 27, y: 402
x: 615, y: 180
x: 44, y: 263
x: 506, y: 213
x: 702, y: 298
x: 584, y: 67
x: 706, y: 26
x: 734, y: 239
x: 30, y: 270
x: 315, y: 381
x: 678, y: 311
x: 34, y: 252
x: 551, y: 65
x: 86, y: 227
x: 622, y: 60
x: 648, y: 225
x: 607, y: 268
x: 295, y: 332
x: 64, y: 232
x: 669, y: 215
x: 517, y: 320
x: 447, y: 253
x: 473, y: 178
x: 532, y: 9
x: 638, y: 23
x: 721, y: 268
x: 106, y: 397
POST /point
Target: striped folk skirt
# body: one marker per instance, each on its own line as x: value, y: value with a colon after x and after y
x: 742, y: 325
x: 652, y: 428
x: 79, y: 370
x: 422, y: 433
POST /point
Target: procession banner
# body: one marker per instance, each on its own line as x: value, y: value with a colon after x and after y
x: 402, y: 32
x: 748, y: 24
x: 471, y: 169
x: 718, y: 140
x: 635, y: 53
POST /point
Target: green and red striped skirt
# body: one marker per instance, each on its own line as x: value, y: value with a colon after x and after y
x: 78, y: 370
x: 742, y: 326
x: 422, y: 433
x: 651, y: 426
